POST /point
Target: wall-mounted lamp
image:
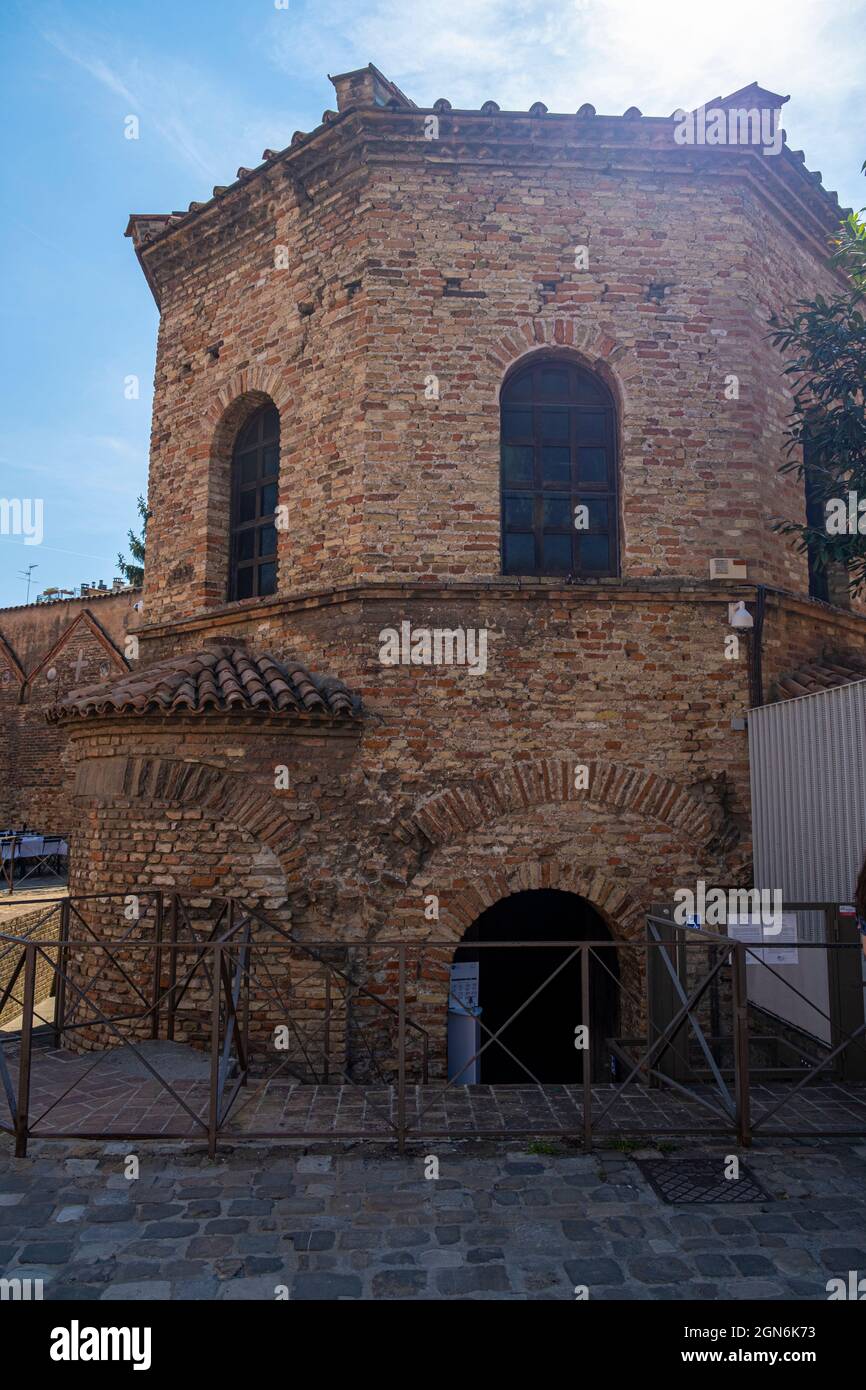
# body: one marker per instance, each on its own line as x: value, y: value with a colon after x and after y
x: 739, y: 615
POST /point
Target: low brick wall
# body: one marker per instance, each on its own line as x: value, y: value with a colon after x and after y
x: 41, y: 924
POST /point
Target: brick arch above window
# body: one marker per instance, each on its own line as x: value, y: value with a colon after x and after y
x: 243, y: 387
x: 590, y: 345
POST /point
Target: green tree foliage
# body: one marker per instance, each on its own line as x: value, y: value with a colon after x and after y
x: 133, y: 569
x: 825, y: 343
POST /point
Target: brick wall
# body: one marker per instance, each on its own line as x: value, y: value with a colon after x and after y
x: 47, y: 650
x: 41, y: 925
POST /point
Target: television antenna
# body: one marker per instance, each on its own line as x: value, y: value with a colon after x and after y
x: 25, y: 574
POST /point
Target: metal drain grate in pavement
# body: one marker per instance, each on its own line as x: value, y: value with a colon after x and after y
x: 700, y: 1180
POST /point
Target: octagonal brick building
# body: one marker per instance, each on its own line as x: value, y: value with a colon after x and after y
x: 493, y: 373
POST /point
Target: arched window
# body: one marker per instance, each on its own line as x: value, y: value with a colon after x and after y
x: 559, y: 484
x: 255, y: 474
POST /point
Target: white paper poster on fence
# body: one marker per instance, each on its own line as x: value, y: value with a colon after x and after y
x: 773, y: 945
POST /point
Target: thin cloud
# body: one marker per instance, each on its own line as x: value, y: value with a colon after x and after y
x: 206, y: 127
x: 57, y: 550
x: 613, y: 53
x: 95, y: 66
x: 149, y: 101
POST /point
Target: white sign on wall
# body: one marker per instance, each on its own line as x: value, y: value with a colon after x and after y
x: 773, y: 945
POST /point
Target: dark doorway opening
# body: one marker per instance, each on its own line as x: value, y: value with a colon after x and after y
x: 543, y: 1034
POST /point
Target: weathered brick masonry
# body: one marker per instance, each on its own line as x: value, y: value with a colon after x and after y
x: 379, y: 287
x: 43, y: 926
x: 45, y: 651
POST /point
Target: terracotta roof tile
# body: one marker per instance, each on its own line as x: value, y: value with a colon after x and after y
x: 222, y: 677
x: 146, y: 227
x: 817, y: 676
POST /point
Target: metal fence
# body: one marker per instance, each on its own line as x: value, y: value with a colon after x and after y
x: 217, y: 1024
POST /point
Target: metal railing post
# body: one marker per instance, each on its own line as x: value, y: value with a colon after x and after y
x: 213, y: 1114
x: 741, y: 1043
x: 62, y: 958
x: 11, y: 862
x: 172, y: 969
x: 401, y: 1052
x: 157, y: 967
x: 327, y: 1038
x: 22, y: 1104
x: 245, y: 1010
x: 587, y: 1055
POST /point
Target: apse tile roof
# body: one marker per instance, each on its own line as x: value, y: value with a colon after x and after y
x: 809, y: 680
x: 223, y: 677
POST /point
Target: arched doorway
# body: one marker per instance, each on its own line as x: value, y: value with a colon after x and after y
x: 542, y: 1036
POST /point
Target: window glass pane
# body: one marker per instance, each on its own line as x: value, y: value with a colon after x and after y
x: 597, y: 508
x: 518, y: 512
x: 592, y: 465
x: 244, y: 542
x: 245, y: 582
x: 519, y: 388
x: 268, y: 578
x: 557, y: 456
x: 516, y: 424
x: 557, y: 554
x: 517, y: 463
x: 555, y: 464
x: 554, y: 384
x: 249, y: 434
x: 557, y: 512
x: 269, y: 499
x: 270, y: 461
x: 589, y: 391
x: 519, y: 555
x: 594, y: 552
x: 247, y: 505
x: 590, y: 427
x: 249, y: 467
x: 554, y: 424
x: 270, y: 423
x: 268, y: 540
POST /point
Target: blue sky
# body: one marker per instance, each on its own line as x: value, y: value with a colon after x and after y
x: 213, y: 82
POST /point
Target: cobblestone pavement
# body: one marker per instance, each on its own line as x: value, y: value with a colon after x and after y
x: 500, y: 1222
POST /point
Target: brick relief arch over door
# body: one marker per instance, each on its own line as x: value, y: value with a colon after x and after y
x: 451, y: 813
x: 559, y: 477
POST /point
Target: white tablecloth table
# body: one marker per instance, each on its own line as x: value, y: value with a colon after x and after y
x: 33, y: 846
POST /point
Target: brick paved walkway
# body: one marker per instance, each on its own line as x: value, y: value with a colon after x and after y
x: 71, y: 1095
x: 499, y: 1223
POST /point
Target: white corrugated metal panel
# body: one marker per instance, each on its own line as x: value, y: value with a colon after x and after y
x: 808, y: 775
